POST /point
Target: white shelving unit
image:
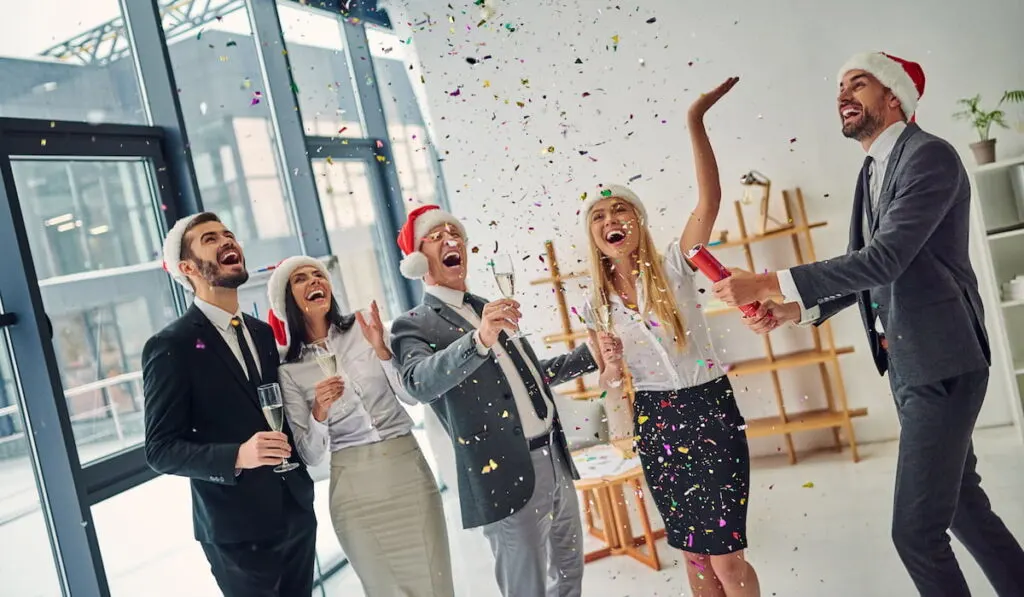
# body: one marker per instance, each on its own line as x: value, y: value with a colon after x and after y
x: 1000, y: 222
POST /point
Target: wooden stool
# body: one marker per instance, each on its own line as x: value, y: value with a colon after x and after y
x: 606, y: 515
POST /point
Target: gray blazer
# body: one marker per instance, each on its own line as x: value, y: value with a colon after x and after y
x: 440, y: 366
x: 914, y: 270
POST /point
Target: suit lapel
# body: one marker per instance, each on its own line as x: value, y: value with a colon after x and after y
x: 441, y: 308
x: 212, y: 339
x: 885, y: 195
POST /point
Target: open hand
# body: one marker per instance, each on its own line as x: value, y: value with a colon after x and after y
x: 703, y: 103
x: 328, y: 392
x: 502, y: 314
x: 373, y: 331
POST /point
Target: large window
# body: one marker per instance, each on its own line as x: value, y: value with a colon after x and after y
x: 26, y: 560
x: 68, y: 61
x: 223, y: 97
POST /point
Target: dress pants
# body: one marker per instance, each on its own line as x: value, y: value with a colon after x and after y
x: 538, y: 550
x: 938, y: 489
x: 281, y: 566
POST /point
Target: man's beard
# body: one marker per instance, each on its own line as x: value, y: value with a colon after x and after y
x: 870, y: 123
x: 210, y: 271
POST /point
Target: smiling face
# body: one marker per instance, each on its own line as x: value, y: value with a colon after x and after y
x: 212, y: 257
x: 866, y: 107
x: 615, y: 228
x: 311, y: 291
x: 445, y: 249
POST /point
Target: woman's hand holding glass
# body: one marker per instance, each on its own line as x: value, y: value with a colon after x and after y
x: 328, y: 391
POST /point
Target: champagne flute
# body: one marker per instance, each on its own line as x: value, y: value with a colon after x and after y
x: 505, y: 276
x: 602, y: 315
x: 273, y: 410
x: 327, y: 360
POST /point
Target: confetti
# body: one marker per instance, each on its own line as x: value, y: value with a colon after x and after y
x: 256, y: 96
x: 809, y: 484
x: 200, y: 345
x: 491, y: 465
x: 684, y: 450
x: 652, y: 20
x: 642, y: 419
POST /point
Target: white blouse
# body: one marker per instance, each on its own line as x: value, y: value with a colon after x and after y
x: 654, y: 360
x: 368, y: 411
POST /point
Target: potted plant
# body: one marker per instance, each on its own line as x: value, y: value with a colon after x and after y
x: 982, y: 121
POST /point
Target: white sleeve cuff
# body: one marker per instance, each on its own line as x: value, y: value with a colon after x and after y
x: 480, y: 348
x: 791, y: 294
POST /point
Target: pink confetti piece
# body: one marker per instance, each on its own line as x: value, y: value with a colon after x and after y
x: 200, y: 345
x: 721, y: 522
x: 668, y: 449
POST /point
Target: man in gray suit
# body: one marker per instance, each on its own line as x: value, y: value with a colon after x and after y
x: 908, y: 270
x: 515, y: 474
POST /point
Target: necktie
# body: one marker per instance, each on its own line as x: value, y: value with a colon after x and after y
x: 250, y: 363
x: 529, y: 380
x: 869, y: 202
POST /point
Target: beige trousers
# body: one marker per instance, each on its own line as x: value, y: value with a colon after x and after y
x: 387, y: 513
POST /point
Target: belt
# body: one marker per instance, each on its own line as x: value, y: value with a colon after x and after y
x: 540, y: 441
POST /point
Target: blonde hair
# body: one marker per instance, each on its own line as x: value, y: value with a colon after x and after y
x: 660, y: 299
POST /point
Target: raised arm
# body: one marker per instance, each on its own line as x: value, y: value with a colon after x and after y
x: 709, y: 188
x: 168, y: 424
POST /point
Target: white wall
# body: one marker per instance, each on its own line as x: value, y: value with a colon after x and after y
x: 781, y: 120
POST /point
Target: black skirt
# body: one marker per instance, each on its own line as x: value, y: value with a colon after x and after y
x: 696, y: 461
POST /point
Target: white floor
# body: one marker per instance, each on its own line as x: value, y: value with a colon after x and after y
x: 830, y: 539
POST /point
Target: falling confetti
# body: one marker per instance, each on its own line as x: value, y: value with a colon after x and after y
x: 256, y: 96
x: 809, y: 484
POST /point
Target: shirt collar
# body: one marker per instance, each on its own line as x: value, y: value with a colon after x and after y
x: 450, y: 296
x: 886, y: 141
x: 217, y: 316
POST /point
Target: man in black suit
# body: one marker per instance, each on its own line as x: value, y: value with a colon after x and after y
x: 203, y: 421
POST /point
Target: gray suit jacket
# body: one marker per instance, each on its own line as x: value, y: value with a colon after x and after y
x: 440, y: 366
x: 914, y: 270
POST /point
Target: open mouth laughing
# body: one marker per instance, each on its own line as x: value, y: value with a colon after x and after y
x: 451, y: 259
x: 850, y: 112
x: 316, y: 295
x: 615, y: 237
x: 230, y: 256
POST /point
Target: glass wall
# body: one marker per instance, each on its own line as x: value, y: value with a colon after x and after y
x: 94, y: 229
x: 228, y: 120
x: 94, y: 235
x: 68, y: 61
x: 26, y: 559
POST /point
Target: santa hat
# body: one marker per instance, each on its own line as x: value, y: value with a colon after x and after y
x: 607, y: 191
x: 904, y: 78
x: 172, y: 251
x: 277, y: 287
x: 418, y: 224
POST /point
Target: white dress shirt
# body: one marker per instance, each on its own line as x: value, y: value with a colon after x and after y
x: 221, y: 320
x: 879, y: 151
x: 373, y: 414
x: 650, y: 351
x: 533, y: 425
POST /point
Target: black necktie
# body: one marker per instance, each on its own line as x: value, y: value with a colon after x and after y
x: 250, y: 363
x: 869, y: 203
x: 529, y: 380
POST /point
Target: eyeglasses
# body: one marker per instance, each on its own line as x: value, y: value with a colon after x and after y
x: 439, y: 235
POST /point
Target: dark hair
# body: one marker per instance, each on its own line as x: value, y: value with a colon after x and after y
x: 186, y: 245
x: 296, y: 322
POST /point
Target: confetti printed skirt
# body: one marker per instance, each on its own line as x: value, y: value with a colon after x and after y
x: 696, y: 461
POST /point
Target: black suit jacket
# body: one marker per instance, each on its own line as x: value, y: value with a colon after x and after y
x: 199, y: 409
x: 914, y: 270
x: 440, y: 366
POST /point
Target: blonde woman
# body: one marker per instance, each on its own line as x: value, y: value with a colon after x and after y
x: 385, y: 505
x: 691, y: 437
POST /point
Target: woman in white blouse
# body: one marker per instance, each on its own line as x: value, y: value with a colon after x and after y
x: 385, y: 505
x: 690, y: 433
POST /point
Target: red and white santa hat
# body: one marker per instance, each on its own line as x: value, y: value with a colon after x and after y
x: 904, y: 78
x: 417, y: 225
x: 277, y: 288
x: 172, y: 251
